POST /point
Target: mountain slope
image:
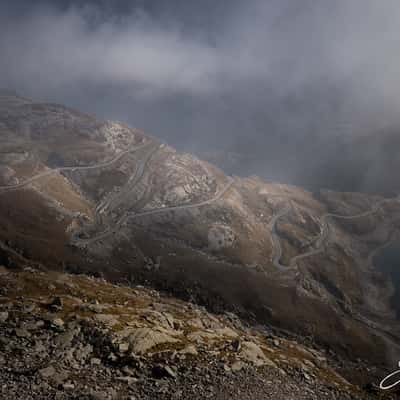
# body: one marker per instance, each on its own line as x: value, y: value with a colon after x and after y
x: 82, y: 195
x: 84, y: 338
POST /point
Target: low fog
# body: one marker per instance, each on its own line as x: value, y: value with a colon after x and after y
x: 298, y: 91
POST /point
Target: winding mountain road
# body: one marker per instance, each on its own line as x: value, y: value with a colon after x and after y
x: 124, y: 219
x: 17, y: 186
x: 322, y: 239
x: 117, y: 199
x: 217, y: 197
x: 276, y: 243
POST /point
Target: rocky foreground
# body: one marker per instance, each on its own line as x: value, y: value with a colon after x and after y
x: 77, y: 337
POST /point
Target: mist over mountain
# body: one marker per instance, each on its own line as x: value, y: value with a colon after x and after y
x: 300, y: 92
x: 199, y: 199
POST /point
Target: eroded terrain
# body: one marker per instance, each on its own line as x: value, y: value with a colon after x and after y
x: 78, y: 337
x: 82, y: 195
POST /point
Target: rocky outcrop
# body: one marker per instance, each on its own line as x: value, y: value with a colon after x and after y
x: 54, y: 345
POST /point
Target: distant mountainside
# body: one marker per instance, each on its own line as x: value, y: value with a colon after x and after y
x: 79, y: 194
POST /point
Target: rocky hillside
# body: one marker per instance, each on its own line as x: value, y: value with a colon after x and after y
x: 81, y: 195
x: 76, y: 337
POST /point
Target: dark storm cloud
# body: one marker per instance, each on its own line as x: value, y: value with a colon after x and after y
x: 290, y: 88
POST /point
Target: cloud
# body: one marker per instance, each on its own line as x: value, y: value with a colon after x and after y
x: 289, y: 84
x: 56, y: 49
x: 283, y: 45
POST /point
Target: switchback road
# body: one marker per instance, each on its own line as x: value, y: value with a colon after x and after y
x: 322, y: 239
x: 17, y: 186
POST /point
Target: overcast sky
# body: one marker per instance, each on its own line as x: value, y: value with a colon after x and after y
x: 287, y: 86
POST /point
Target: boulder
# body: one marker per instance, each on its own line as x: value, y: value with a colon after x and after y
x: 252, y: 353
x: 189, y: 350
x: 142, y: 340
x: 107, y: 319
x: 47, y: 372
x: 3, y: 316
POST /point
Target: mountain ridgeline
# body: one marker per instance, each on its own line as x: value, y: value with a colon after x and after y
x: 81, y: 195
